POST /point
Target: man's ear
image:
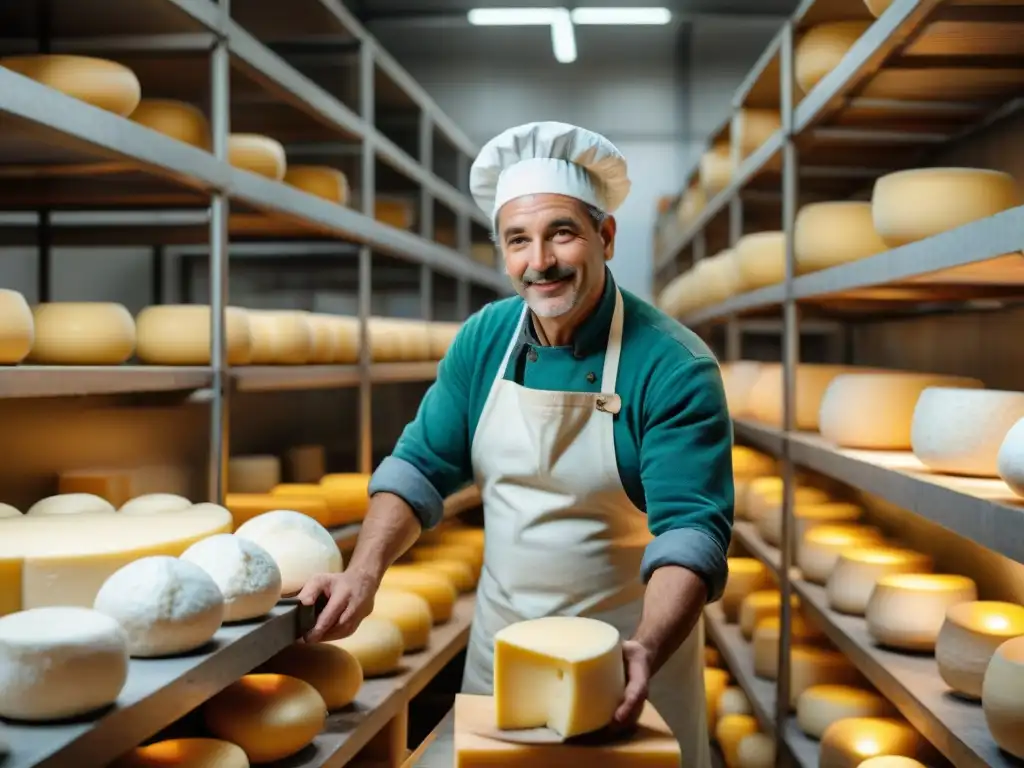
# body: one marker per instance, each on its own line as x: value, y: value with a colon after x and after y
x: 608, y: 230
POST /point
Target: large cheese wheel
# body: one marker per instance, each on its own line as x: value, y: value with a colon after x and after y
x: 179, y: 334
x: 746, y: 575
x: 692, y: 203
x: 756, y: 750
x: 376, y: 644
x: 820, y: 548
x: 333, y: 671
x: 1001, y: 697
x: 346, y: 339
x: 348, y: 495
x: 733, y: 701
x: 342, y: 507
x: 753, y: 127
x: 1010, y: 460
x: 324, y: 339
x: 176, y: 119
x: 394, y: 212
x: 765, y: 644
x: 17, y: 331
x: 257, y: 154
x: 821, y: 705
x: 270, y: 716
x: 805, y: 517
x: 462, y: 574
x: 729, y: 732
x: 848, y: 743
x: 82, y: 333
x: 834, y: 233
x: 104, y: 84
x: 246, y: 506
x: 245, y: 573
x: 857, y: 570
x: 185, y: 753
x: 906, y: 610
x: 409, y: 612
x: 301, y: 547
x: 810, y: 666
x: 715, y: 682
x: 970, y: 634
x: 961, y: 431
x: 436, y: 588
x: 155, y: 504
x: 60, y: 662
x: 281, y: 337
x: 811, y: 382
x: 822, y: 47
x: 739, y: 379
x: 907, y: 206
x: 761, y: 259
x: 875, y: 410
x: 6, y: 510
x: 716, y: 168
x: 165, y: 605
x: 253, y: 474
x: 322, y: 181
x: 71, y: 504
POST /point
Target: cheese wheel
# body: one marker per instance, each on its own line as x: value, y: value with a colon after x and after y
x: 6, y: 510
x: 245, y: 573
x: 331, y: 670
x: 269, y: 716
x: 185, y: 753
x: 1001, y: 697
x: 179, y: 334
x: 301, y: 547
x: 766, y: 642
x: 246, y: 506
x: 810, y: 666
x: 82, y: 333
x: 461, y: 536
x: 395, y: 213
x: 877, y: 7
x: 753, y: 127
x: 970, y: 634
x: 59, y: 663
x: 820, y: 548
x: 739, y: 379
x: 729, y: 732
x: 376, y: 644
x: 891, y: 761
x: 323, y: 340
x: 733, y: 701
x: 834, y: 233
x: 71, y: 504
x: 875, y: 410
x: 348, y: 496
x: 719, y: 277
x: 436, y: 588
x: 822, y: 47
x: 578, y: 663
x: 165, y: 605
x: 257, y: 154
x: 112, y: 485
x: 1010, y: 459
x: 17, y: 329
x: 716, y: 168
x: 441, y: 337
x: 907, y: 206
x: 715, y: 682
x: 712, y: 658
x: 812, y: 380
x: 692, y: 203
x: 821, y: 705
x: 281, y: 337
x: 761, y: 259
x: 847, y: 743
x: 155, y: 504
x: 746, y: 575
x: 409, y: 612
x: 321, y: 181
x: 346, y: 340
x: 472, y: 556
x: 761, y: 605
x: 176, y: 119
x: 747, y: 462
x: 906, y: 610
x: 756, y: 750
x: 104, y: 84
x: 961, y: 431
x: 461, y: 574
x: 856, y: 572
x: 805, y: 517
x: 253, y: 474
x: 764, y: 500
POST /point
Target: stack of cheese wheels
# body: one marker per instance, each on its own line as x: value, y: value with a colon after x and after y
x: 301, y: 547
x: 715, y: 683
x: 1001, y: 697
x: 765, y: 642
x: 739, y: 378
x: 434, y: 587
x: 730, y: 730
x: 857, y: 570
x: 761, y: 259
x: 820, y: 548
x: 716, y: 168
x: 17, y: 329
x: 1010, y: 459
x: 377, y: 644
x: 961, y: 431
x: 848, y: 743
x: 179, y: 753
x: 180, y: 335
x: 806, y: 517
x: 101, y: 83
x: 811, y: 382
x: 176, y: 119
x: 332, y: 671
x: 246, y: 574
x: 321, y: 181
x: 821, y: 705
x: 906, y: 610
x: 833, y: 233
x: 746, y: 575
x: 253, y: 474
x: 248, y: 506
x: 970, y: 634
x: 761, y: 605
x: 944, y: 198
x: 748, y: 465
x: 753, y: 127
x: 281, y: 337
x: 257, y: 154
x: 82, y: 333
x: 577, y: 660
x: 821, y: 49
x: 875, y: 411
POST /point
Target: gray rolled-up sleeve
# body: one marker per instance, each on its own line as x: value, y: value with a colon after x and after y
x: 692, y: 549
x: 401, y: 478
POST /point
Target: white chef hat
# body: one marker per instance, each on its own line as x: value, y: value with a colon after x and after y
x: 549, y: 158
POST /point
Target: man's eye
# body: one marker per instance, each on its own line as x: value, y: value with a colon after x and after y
x: 564, y: 233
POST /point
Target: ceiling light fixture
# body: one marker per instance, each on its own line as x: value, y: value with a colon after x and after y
x: 622, y: 16
x: 513, y: 17
x: 563, y: 38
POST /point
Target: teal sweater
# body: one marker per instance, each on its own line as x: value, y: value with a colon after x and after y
x: 673, y: 436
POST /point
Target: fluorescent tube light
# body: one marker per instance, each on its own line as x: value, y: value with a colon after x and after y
x: 514, y: 17
x: 622, y: 16
x: 563, y: 37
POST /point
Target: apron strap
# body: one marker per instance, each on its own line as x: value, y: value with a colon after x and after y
x: 612, y: 352
x: 512, y: 343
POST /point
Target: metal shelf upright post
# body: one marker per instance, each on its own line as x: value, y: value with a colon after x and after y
x: 369, y: 190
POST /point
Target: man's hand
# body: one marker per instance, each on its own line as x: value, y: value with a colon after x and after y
x: 638, y: 675
x: 349, y: 601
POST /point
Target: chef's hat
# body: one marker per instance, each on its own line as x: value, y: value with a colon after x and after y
x: 549, y: 158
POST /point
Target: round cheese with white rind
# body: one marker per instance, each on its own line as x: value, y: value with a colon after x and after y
x: 970, y: 634
x: 1001, y: 697
x: 155, y: 504
x: 17, y: 329
x: 102, y: 83
x: 82, y: 333
x: 301, y: 547
x: 245, y: 573
x: 70, y: 504
x: 58, y: 663
x: 1010, y: 459
x: 177, y: 119
x: 257, y: 154
x: 830, y: 234
x: 179, y: 334
x: 165, y: 605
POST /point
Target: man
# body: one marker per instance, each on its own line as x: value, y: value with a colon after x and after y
x: 595, y: 427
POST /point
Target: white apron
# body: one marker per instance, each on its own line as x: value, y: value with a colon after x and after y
x: 563, y: 538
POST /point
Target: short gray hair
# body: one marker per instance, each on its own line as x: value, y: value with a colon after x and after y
x: 596, y: 215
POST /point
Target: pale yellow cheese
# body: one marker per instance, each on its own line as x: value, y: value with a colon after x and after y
x: 472, y: 556
x: 856, y: 572
x: 179, y: 334
x: 17, y: 331
x: 692, y: 203
x: 269, y: 716
x: 306, y: 463
x: 1001, y: 697
x: 333, y: 671
x: 441, y: 337
x: 746, y: 575
x: 761, y: 259
x: 733, y: 701
x: 969, y: 637
x: 715, y: 683
x: 756, y: 750
x: 729, y: 732
x: 765, y: 505
x: 82, y: 333
x: 834, y: 233
x: 322, y: 181
x: 812, y: 380
x: 6, y: 510
x: 877, y: 7
x: 112, y: 485
x: 253, y: 474
x: 766, y: 642
x: 257, y: 154
x: 376, y: 644
x: 102, y: 83
x: 409, y: 612
x: 436, y: 588
x: 821, y: 705
x: 761, y: 605
x: 810, y: 666
x: 716, y: 168
x: 753, y: 127
x: 747, y: 462
x: 281, y: 337
x: 739, y: 379
x: 906, y: 610
x: 822, y: 47
x: 805, y: 517
x: 562, y: 672
x: 820, y: 548
x: 247, y: 506
x: 155, y: 504
x: 462, y: 574
x: 848, y: 743
x: 324, y: 339
x: 185, y: 753
x: 70, y: 504
x: 176, y: 119
x: 346, y: 339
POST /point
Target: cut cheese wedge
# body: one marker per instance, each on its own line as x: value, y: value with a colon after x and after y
x: 376, y: 644
x: 436, y: 588
x: 407, y: 611
x: 185, y: 753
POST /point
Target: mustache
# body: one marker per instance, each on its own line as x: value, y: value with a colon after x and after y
x: 550, y: 275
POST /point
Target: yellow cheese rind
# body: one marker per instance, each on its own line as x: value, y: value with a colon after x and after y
x: 185, y: 753
x: 176, y: 119
x: 746, y: 575
x: 179, y: 334
x: 834, y: 233
x: 436, y: 588
x: 715, y: 683
x: 409, y: 612
x: 376, y: 644
x: 848, y: 743
x: 729, y: 731
x: 82, y: 333
x: 333, y: 671
x: 248, y: 506
x: 462, y: 574
x: 102, y: 83
x: 17, y: 329
x: 821, y: 705
x: 257, y: 154
x: 322, y: 181
x: 821, y: 49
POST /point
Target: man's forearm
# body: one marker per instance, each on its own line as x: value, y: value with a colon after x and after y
x: 673, y: 602
x: 389, y: 529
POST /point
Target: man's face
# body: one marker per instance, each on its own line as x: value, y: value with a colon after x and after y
x: 553, y: 252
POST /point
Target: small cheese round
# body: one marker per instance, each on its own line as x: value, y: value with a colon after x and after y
x: 906, y: 610
x: 436, y: 588
x: 848, y: 743
x: 155, y: 504
x: 82, y: 333
x: 102, y: 83
x: 819, y: 549
x: 245, y: 573
x: 766, y: 642
x: 739, y: 379
x: 746, y: 575
x: 253, y: 474
x: 179, y: 334
x: 376, y: 644
x: 716, y: 168
x: 969, y: 636
x: 715, y: 682
x: 301, y: 547
x: 756, y: 750
x: 409, y: 612
x: 761, y: 258
x: 257, y: 154
x: 1010, y: 460
x: 471, y: 555
x: 822, y: 47
x: 821, y: 705
x: 960, y: 431
x: 6, y: 510
x: 754, y: 127
x: 912, y: 205
x: 333, y: 671
x: 462, y: 574
x: 729, y: 731
x: 319, y: 180
x: 324, y: 340
x: 71, y: 504
x: 281, y: 337
x: 761, y: 605
x: 176, y: 119
x: 269, y: 716
x: 1001, y: 698
x: 17, y: 331
x: 810, y: 666
x: 857, y: 570
x: 59, y: 663
x: 185, y: 753
x: 733, y: 701
x: 166, y: 605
